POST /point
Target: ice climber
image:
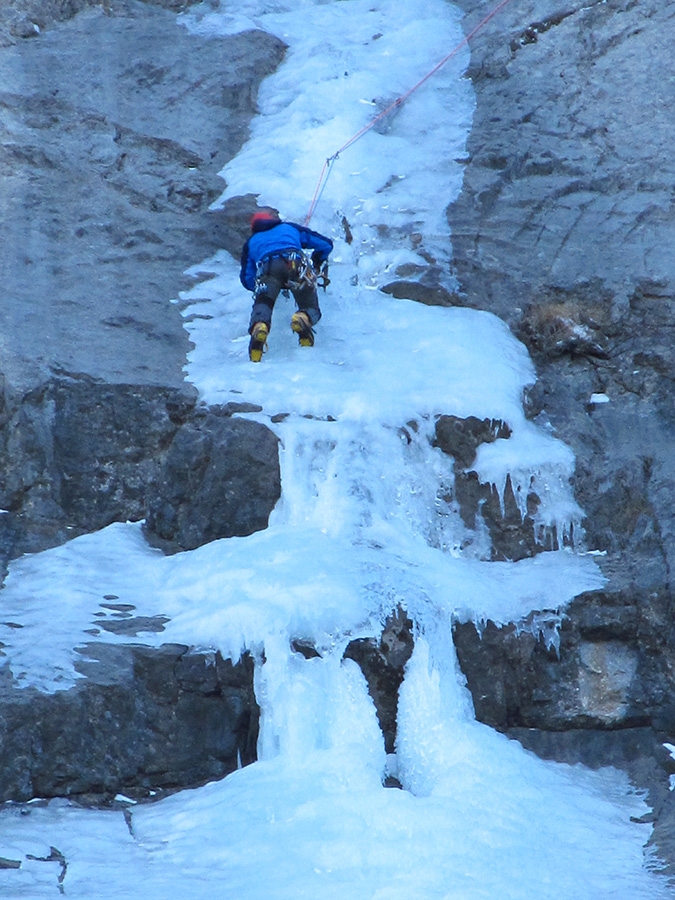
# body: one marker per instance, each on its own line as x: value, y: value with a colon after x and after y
x: 272, y: 260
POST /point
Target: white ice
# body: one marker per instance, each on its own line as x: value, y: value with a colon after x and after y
x: 363, y: 525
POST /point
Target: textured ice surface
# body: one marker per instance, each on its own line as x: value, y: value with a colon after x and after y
x: 361, y: 527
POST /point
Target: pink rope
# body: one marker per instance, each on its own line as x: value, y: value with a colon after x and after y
x: 323, y: 177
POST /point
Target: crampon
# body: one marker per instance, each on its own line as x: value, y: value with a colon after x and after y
x: 301, y: 325
x: 258, y: 343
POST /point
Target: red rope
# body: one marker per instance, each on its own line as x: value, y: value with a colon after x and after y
x: 323, y: 177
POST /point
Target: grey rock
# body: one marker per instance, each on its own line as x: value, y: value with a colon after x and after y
x: 662, y: 839
x: 461, y: 438
x: 221, y: 478
x: 558, y: 230
x: 605, y: 667
x: 563, y: 228
x: 382, y: 663
x: 143, y: 721
x: 512, y: 535
x: 623, y: 748
x: 305, y: 648
x: 432, y: 294
x: 568, y: 156
x: 20, y: 19
x: 77, y: 455
x: 107, y: 443
x: 115, y: 129
x: 116, y: 122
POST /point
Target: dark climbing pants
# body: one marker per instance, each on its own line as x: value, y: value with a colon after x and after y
x: 276, y: 273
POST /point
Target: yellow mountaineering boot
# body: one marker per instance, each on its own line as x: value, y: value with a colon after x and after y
x: 258, y: 341
x: 301, y: 325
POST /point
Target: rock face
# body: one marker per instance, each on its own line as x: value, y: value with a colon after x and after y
x: 603, y: 668
x: 115, y: 127
x: 512, y: 536
x: 77, y: 455
x: 220, y: 478
x: 563, y: 228
x: 115, y: 122
x: 382, y: 663
x: 144, y: 721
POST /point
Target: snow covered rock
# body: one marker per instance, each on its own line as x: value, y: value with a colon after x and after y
x: 563, y: 229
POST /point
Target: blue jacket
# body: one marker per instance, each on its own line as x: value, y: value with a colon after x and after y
x: 274, y: 237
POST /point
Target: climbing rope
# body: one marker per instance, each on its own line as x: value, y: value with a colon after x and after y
x: 330, y: 161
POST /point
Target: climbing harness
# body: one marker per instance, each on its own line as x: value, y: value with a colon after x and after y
x: 292, y: 258
x: 330, y: 161
x: 302, y: 272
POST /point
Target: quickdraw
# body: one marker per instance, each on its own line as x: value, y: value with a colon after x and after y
x: 307, y: 275
x: 303, y: 273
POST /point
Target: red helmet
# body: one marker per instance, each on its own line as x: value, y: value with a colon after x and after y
x: 264, y: 215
